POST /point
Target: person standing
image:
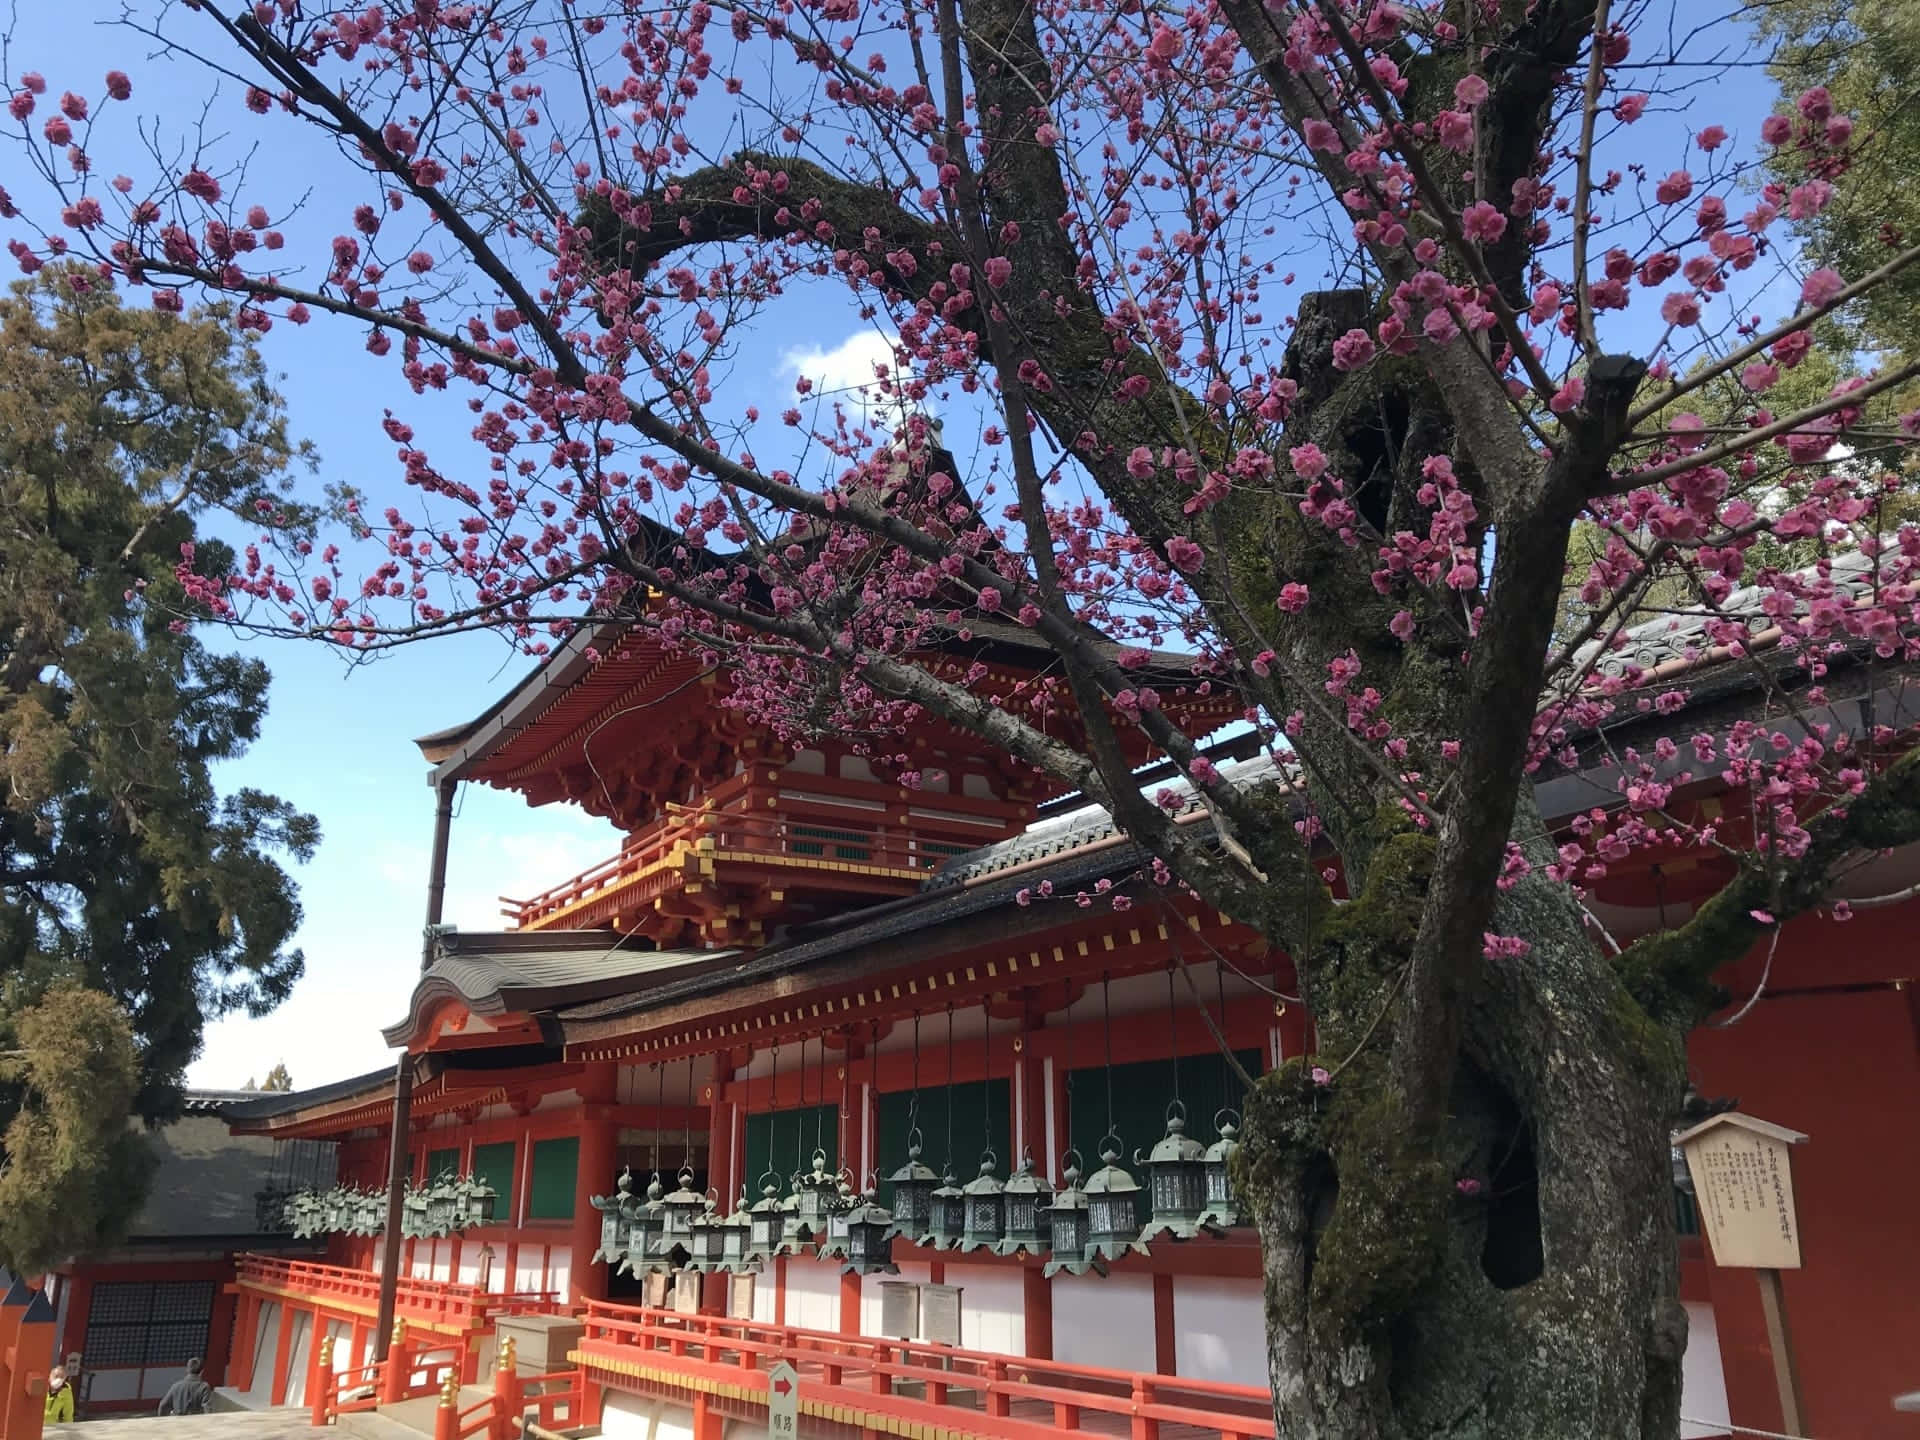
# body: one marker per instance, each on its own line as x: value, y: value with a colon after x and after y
x: 189, y: 1395
x: 59, y: 1409
x: 79, y: 1381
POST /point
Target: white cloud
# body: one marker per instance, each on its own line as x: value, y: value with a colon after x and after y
x: 850, y: 373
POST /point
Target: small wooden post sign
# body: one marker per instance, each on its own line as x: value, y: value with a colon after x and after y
x: 1743, y: 1182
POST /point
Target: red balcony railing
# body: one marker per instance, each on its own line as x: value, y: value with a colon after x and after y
x: 890, y: 848
x: 442, y: 1306
x: 895, y: 1386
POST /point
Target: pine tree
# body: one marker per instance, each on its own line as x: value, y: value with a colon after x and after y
x: 130, y: 887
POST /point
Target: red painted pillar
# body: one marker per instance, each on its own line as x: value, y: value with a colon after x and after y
x: 13, y: 1310
x: 240, y: 1352
x: 720, y: 1177
x: 220, y: 1332
x: 30, y: 1354
x: 780, y: 1290
x: 73, y: 1331
x: 282, y: 1351
x: 1164, y: 1354
x: 849, y: 1303
x: 1037, y: 1294
x: 598, y: 1087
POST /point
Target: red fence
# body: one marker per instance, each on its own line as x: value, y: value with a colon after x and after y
x: 887, y: 1384
x: 442, y: 1306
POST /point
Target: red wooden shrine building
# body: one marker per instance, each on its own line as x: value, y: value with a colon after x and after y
x: 793, y: 953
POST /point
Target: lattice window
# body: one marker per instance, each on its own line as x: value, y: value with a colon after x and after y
x: 137, y: 1324
x: 829, y: 844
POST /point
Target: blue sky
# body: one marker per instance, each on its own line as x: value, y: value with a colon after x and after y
x: 338, y: 742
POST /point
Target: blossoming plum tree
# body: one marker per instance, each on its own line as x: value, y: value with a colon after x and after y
x: 1353, y: 506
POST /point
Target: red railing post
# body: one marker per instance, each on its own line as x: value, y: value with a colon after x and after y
x: 996, y: 1397
x: 1145, y: 1427
x: 882, y: 1381
x: 320, y: 1381
x: 507, y: 1398
x: 446, y: 1418
x: 398, y: 1367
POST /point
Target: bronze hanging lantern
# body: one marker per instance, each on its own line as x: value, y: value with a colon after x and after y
x: 736, y: 1238
x: 986, y: 1214
x: 708, y: 1247
x: 644, y: 1228
x: 869, y: 1240
x: 616, y: 1218
x: 813, y: 1195
x: 1176, y: 1180
x: 1113, y: 1226
x: 1069, y: 1227
x: 473, y: 1203
x: 946, y: 1214
x: 833, y: 1246
x: 1027, y: 1197
x: 1223, y: 1206
x: 682, y: 1206
x: 913, y: 1186
x: 413, y: 1214
x: 766, y: 1221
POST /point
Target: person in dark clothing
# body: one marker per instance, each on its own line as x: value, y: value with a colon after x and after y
x: 189, y: 1395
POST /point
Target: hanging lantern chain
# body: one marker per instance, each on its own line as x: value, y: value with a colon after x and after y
x: 659, y: 1114
x: 1106, y: 1025
x: 949, y: 1088
x: 1173, y: 1032
x: 913, y: 1100
x: 986, y: 1079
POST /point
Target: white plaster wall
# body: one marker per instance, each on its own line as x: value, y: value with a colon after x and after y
x: 766, y: 1295
x: 529, y: 1267
x: 993, y: 1309
x: 1218, y: 1330
x: 442, y: 1260
x: 115, y: 1385
x: 559, y: 1269
x: 1703, y: 1384
x: 156, y: 1383
x: 342, y: 1336
x: 1104, y: 1321
x: 297, y: 1353
x: 469, y: 1265
x: 813, y: 1295
x: 266, y: 1339
x: 630, y: 1417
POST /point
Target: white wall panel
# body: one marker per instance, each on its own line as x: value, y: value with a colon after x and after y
x: 992, y: 1309
x: 1104, y: 1321
x: 1703, y: 1383
x: 813, y: 1294
x: 1219, y: 1330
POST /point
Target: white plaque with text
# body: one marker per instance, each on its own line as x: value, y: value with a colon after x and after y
x: 1743, y: 1183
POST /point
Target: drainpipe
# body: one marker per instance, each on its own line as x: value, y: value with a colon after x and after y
x: 403, y: 1081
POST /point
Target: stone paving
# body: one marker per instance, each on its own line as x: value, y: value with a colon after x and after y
x: 283, y: 1424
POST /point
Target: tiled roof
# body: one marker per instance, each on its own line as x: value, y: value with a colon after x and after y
x: 523, y: 971
x: 1074, y: 830
x: 1681, y: 638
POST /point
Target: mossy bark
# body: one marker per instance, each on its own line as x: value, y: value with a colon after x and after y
x: 1518, y: 1281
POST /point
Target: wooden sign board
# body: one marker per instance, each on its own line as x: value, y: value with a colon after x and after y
x: 740, y: 1297
x: 899, y: 1310
x: 1743, y: 1183
x: 686, y: 1292
x: 940, y: 1314
x: 783, y: 1402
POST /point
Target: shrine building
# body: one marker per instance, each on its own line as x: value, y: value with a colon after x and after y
x: 882, y: 1082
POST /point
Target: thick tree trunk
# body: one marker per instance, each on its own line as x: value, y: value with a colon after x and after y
x: 1537, y: 1298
